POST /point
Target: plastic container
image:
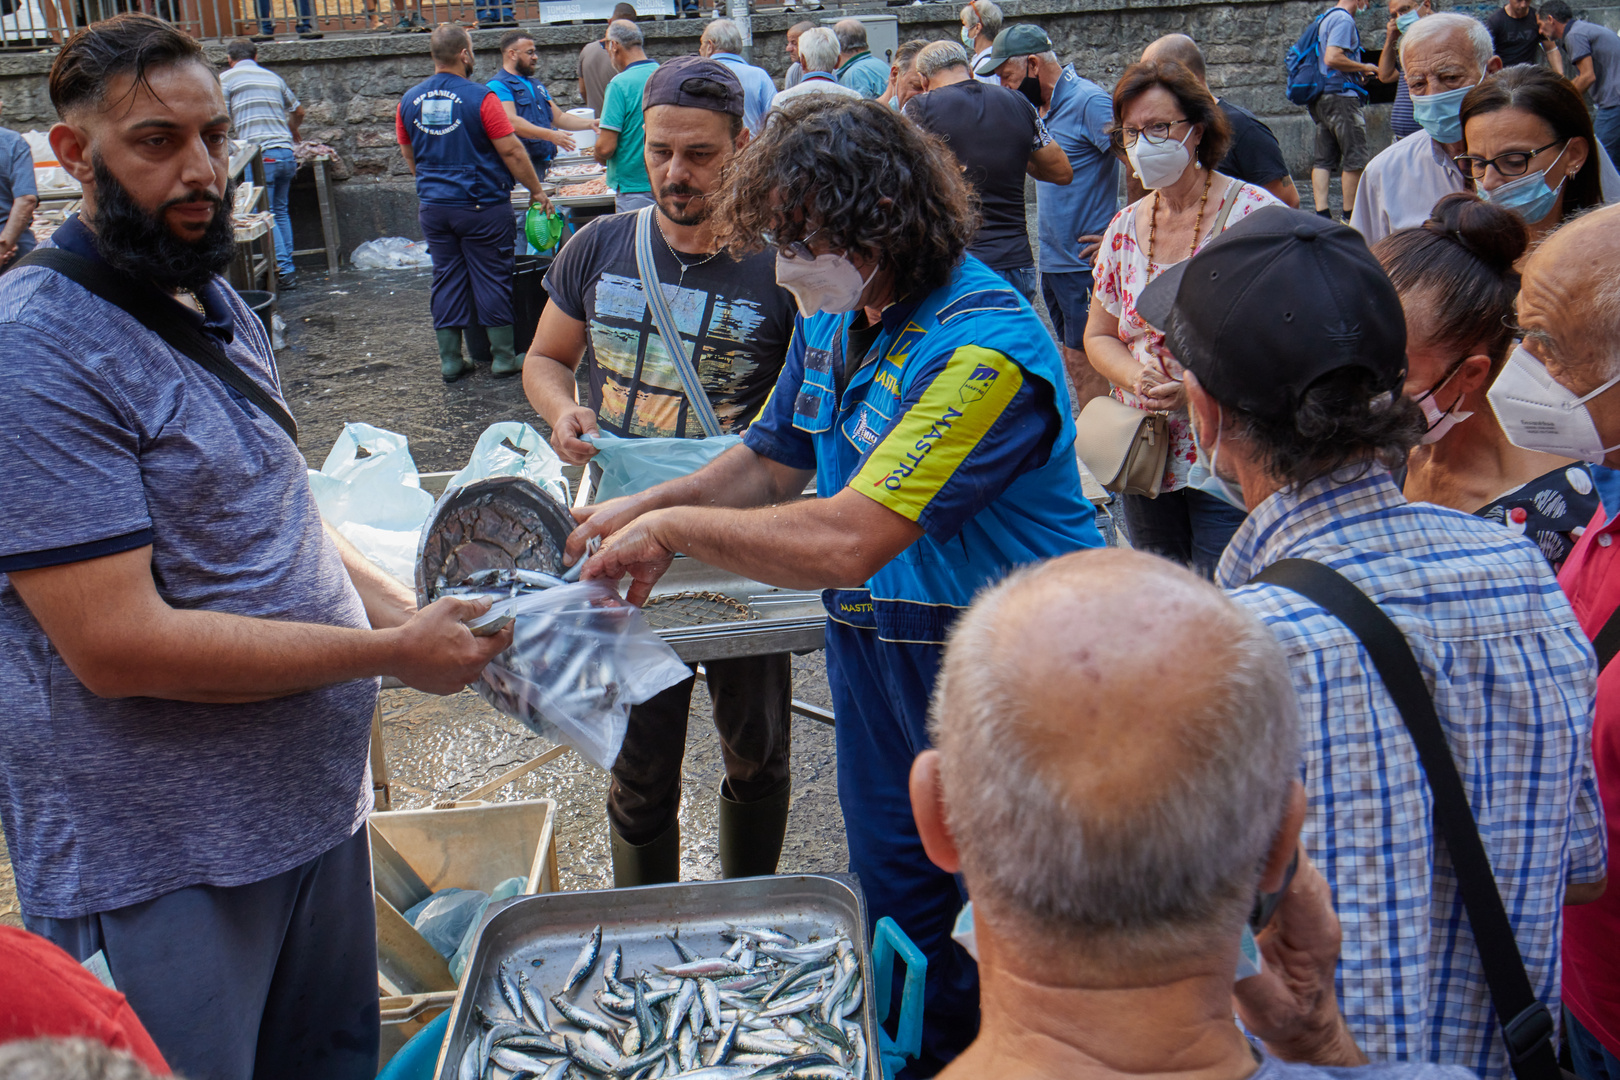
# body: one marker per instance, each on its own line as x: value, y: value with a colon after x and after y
x: 262, y: 304
x: 528, y: 297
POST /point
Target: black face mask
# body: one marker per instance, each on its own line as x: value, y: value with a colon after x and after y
x: 143, y: 246
x: 1031, y: 89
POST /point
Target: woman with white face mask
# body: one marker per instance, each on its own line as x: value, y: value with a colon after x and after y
x: 1455, y: 277
x: 1172, y: 133
x: 1529, y: 148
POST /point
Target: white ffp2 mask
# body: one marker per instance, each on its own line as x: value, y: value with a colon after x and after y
x: 1539, y: 413
x: 1158, y: 165
x: 827, y: 283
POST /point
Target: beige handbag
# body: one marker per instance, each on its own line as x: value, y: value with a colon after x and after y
x: 1125, y: 448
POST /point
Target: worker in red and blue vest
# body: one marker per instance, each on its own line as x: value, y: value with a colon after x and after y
x: 541, y: 127
x: 462, y: 150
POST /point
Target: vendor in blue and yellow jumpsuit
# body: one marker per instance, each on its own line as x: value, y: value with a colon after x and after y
x: 930, y: 402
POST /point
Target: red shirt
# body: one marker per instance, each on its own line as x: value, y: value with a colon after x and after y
x: 496, y: 123
x: 45, y: 994
x: 1591, y: 578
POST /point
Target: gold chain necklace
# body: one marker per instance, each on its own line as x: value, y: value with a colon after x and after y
x: 1198, y: 226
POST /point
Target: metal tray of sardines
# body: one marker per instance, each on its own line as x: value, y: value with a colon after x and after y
x: 710, y: 614
x: 713, y: 980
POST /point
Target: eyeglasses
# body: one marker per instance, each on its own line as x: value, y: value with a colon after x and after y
x: 1506, y: 165
x: 1156, y: 134
x: 796, y: 249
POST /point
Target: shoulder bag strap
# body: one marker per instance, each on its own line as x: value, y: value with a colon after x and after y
x: 696, y: 397
x: 1527, y: 1024
x: 1233, y: 187
x: 1607, y: 642
x: 184, y: 338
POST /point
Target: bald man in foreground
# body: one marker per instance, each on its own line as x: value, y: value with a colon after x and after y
x: 1569, y: 307
x: 1114, y: 851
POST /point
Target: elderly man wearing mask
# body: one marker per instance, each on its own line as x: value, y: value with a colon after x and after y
x: 1557, y: 396
x: 1113, y: 855
x: 1444, y: 56
x: 1294, y: 345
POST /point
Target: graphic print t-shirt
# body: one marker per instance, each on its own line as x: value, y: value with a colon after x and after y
x: 734, y: 319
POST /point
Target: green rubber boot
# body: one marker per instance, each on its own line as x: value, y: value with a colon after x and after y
x: 451, y: 365
x: 503, y: 352
x: 751, y: 833
x: 654, y: 863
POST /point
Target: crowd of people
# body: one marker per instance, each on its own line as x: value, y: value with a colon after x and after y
x: 1348, y: 694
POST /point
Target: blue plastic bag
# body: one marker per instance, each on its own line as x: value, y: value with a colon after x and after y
x: 504, y: 891
x: 632, y: 465
x: 443, y: 918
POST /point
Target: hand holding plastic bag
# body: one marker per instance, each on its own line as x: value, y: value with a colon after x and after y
x: 580, y: 657
x: 533, y: 459
x: 632, y: 465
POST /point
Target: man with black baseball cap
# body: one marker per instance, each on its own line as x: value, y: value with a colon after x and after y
x: 741, y: 323
x: 1295, y: 349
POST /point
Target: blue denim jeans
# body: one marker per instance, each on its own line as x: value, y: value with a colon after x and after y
x: 1187, y: 526
x: 1021, y: 278
x: 1592, y: 1060
x: 279, y: 169
x: 267, y: 25
x: 1606, y: 126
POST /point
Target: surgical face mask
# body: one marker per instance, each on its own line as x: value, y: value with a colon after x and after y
x: 967, y: 37
x: 1539, y: 413
x: 827, y: 283
x: 1527, y: 195
x: 1158, y: 165
x: 1441, y: 114
x: 1232, y: 492
x: 1440, y: 421
x: 1404, y: 22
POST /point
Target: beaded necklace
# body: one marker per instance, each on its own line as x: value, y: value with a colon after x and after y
x: 1198, y: 226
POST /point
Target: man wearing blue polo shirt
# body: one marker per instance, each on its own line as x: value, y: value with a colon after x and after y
x: 929, y: 403
x: 858, y: 69
x: 723, y: 41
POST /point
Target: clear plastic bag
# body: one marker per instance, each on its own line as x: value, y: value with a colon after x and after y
x: 533, y: 459
x: 368, y: 491
x: 444, y: 917
x: 632, y: 465
x: 580, y: 657
x: 391, y: 253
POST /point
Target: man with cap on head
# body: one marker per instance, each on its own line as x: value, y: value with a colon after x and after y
x: 1294, y: 346
x: 741, y: 323
x: 1557, y: 395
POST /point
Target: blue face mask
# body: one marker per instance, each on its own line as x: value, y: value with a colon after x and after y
x: 1528, y: 195
x: 1441, y: 114
x: 1403, y: 23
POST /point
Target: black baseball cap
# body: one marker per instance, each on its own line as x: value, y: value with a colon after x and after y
x: 694, y: 82
x: 1274, y: 303
x: 1021, y: 39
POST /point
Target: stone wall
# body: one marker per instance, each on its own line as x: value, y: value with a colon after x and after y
x: 350, y: 86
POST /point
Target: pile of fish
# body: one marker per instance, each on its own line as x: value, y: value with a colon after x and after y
x: 769, y: 1008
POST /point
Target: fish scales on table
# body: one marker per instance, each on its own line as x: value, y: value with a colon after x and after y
x: 783, y: 1014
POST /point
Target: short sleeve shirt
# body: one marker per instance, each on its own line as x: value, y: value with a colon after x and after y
x: 1122, y: 272
x: 259, y: 101
x: 1254, y: 157
x: 595, y: 71
x: 1517, y: 41
x: 621, y: 112
x: 735, y: 321
x: 16, y: 180
x: 115, y: 442
x: 992, y: 131
x: 1584, y: 39
x: 1339, y: 29
x: 1078, y: 119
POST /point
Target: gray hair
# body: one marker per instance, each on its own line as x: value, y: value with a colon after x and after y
x: 818, y: 50
x: 626, y: 33
x: 851, y: 35
x: 1445, y: 22
x: 940, y: 56
x: 68, y: 1059
x: 986, y: 15
x: 724, y: 35
x: 1066, y: 857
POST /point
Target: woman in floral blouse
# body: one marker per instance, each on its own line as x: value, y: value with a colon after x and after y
x: 1173, y: 132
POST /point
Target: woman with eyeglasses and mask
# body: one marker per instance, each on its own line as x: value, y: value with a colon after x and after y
x: 1172, y: 134
x: 1455, y: 277
x: 1530, y: 148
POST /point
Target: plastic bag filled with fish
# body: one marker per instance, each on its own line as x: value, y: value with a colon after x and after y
x: 580, y: 657
x: 632, y: 465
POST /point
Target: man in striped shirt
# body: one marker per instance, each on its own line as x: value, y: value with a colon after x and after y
x: 265, y: 111
x: 1295, y: 350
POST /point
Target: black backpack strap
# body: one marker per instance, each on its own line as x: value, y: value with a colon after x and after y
x: 1607, y: 641
x: 1527, y: 1023
x: 164, y: 321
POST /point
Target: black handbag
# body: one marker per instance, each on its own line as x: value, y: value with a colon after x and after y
x: 1527, y: 1023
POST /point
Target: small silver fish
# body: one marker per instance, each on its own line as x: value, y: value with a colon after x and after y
x: 585, y: 1059
x: 686, y: 955
x: 585, y: 962
x: 713, y: 965
x: 582, y: 1018
x: 532, y: 1001
x: 711, y: 1001
x: 683, y: 1005
x: 760, y: 933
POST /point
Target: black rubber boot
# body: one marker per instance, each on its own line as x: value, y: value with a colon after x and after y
x: 654, y: 863
x: 451, y: 365
x: 751, y: 833
x: 503, y: 352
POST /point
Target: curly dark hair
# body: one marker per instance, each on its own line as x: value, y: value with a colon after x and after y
x: 858, y: 175
x: 1191, y: 94
x: 1346, y: 423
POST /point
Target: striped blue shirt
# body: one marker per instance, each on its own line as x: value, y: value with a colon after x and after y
x: 1513, y: 679
x: 260, y: 102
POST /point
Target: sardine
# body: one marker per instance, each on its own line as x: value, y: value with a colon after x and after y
x: 645, y: 1020
x: 585, y: 1059
x: 760, y: 933
x: 611, y: 968
x: 713, y: 965
x: 817, y: 951
x: 533, y: 1002
x: 687, y: 955
x: 602, y: 1047
x: 586, y: 961
x: 582, y: 1017
x: 509, y: 990
x: 710, y: 995
x: 722, y: 1049
x: 514, y: 1060
x: 683, y: 1005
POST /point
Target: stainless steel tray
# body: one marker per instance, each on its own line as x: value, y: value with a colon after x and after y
x: 551, y: 928
x: 783, y: 620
